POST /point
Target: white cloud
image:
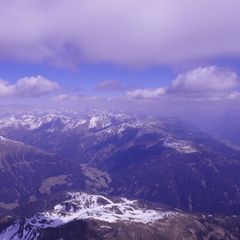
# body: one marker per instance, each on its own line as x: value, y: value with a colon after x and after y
x: 146, y: 93
x: 28, y: 87
x: 201, y: 84
x: 110, y: 85
x: 205, y: 79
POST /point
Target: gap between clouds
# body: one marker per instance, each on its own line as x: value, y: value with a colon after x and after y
x: 209, y: 83
x: 202, y: 83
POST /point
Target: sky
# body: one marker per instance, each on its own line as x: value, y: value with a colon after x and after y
x: 148, y: 55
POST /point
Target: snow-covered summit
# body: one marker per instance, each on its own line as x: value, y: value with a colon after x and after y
x: 84, y: 206
x: 81, y: 205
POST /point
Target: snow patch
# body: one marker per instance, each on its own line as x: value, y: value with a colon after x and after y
x: 93, y: 122
x: 181, y: 146
x: 84, y: 206
x: 3, y: 139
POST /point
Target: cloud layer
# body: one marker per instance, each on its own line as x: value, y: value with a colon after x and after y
x: 28, y: 87
x: 129, y: 32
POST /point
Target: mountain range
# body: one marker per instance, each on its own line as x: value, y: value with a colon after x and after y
x: 50, y: 162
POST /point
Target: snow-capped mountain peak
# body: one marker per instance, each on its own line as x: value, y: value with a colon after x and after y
x: 81, y: 205
x: 84, y: 206
x: 68, y: 120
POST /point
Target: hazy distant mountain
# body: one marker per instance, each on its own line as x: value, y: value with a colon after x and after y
x: 226, y: 126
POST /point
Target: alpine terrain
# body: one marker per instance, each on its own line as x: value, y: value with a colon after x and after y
x: 105, y: 175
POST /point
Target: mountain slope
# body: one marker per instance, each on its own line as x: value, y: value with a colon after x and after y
x: 27, y: 173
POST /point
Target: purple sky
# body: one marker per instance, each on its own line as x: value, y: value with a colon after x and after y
x: 139, y: 52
